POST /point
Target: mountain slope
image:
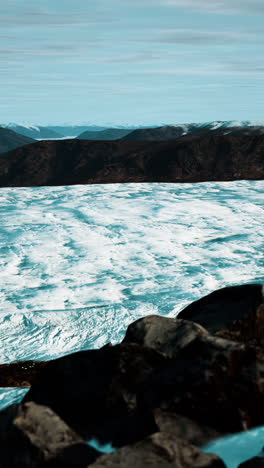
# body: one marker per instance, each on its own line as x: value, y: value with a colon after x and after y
x: 107, y: 134
x: 66, y: 162
x: 172, y: 132
x: 74, y: 130
x: 33, y: 131
x: 10, y: 140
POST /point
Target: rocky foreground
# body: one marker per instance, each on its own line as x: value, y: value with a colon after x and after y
x: 170, y: 387
x: 214, y: 157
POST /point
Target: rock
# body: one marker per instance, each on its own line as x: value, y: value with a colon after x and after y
x: 248, y: 330
x: 161, y: 450
x: 111, y: 394
x: 78, y: 455
x: 166, y: 335
x: 19, y: 374
x: 206, y: 369
x: 31, y: 435
x: 185, y: 428
x: 255, y: 462
x: 213, y: 381
x: 95, y: 391
x: 224, y: 308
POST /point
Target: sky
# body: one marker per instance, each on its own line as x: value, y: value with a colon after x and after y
x: 131, y: 62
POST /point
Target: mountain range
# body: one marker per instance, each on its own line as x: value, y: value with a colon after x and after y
x: 50, y: 132
x: 10, y: 140
x: 107, y: 134
x: 215, y: 157
x: 143, y: 133
x: 171, y: 132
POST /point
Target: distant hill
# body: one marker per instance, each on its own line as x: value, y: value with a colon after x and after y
x: 32, y: 131
x: 214, y: 157
x: 74, y: 130
x: 10, y: 140
x: 107, y: 134
x: 172, y: 132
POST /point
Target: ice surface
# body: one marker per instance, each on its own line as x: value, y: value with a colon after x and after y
x: 79, y: 263
x: 233, y: 450
x: 238, y: 448
x: 9, y: 396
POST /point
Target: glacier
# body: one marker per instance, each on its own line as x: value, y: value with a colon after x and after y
x: 80, y: 263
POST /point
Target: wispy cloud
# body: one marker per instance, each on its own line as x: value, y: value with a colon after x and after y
x: 36, y: 14
x: 197, y: 37
x: 217, y: 6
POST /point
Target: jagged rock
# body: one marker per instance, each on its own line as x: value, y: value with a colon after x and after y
x: 226, y: 308
x: 95, y: 391
x: 19, y: 374
x: 255, y: 462
x: 166, y: 335
x: 185, y: 428
x: 32, y: 435
x: 249, y: 330
x: 111, y: 394
x: 213, y: 381
x: 218, y: 370
x: 161, y: 450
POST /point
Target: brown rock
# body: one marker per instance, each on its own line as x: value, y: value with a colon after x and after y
x: 19, y: 374
x: 185, y: 428
x: 166, y: 335
x: 213, y: 381
x: 227, y: 309
x: 95, y: 391
x: 248, y: 330
x: 161, y: 450
x: 31, y: 435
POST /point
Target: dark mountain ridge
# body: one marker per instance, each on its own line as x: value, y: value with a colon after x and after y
x: 10, y: 140
x: 188, y: 159
x: 32, y: 131
x: 172, y: 132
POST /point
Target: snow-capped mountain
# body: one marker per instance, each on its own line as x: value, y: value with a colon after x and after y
x: 33, y: 131
x: 161, y: 132
x: 174, y: 131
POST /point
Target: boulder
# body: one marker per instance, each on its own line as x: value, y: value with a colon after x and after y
x: 255, y: 462
x: 249, y: 330
x: 95, y: 391
x: 32, y: 435
x: 225, y: 307
x: 214, y: 381
x: 166, y: 335
x: 160, y: 450
x: 185, y: 428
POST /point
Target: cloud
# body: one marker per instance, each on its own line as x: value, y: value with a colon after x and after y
x: 128, y: 58
x: 36, y: 14
x: 217, y: 6
x: 196, y: 37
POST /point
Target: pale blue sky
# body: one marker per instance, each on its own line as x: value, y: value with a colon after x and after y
x: 114, y: 62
